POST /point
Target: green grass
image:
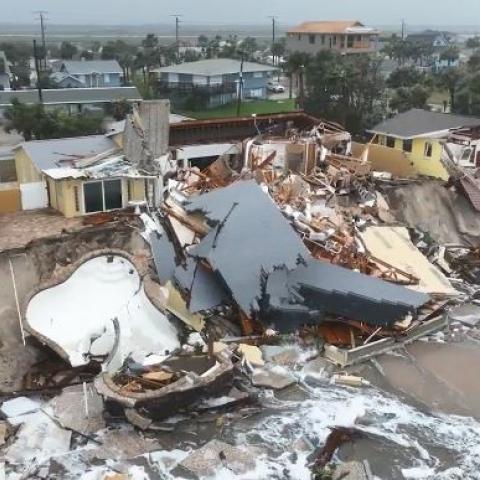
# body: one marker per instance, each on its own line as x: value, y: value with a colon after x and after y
x: 438, y: 97
x: 247, y: 108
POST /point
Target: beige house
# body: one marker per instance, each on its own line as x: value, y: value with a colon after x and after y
x: 77, y: 176
x: 345, y: 37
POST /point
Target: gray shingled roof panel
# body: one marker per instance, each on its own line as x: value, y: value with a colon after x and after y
x: 86, y: 67
x: 418, y: 122
x: 329, y: 289
x: 251, y: 239
x: 57, y: 96
x: 56, y: 153
x: 216, y: 66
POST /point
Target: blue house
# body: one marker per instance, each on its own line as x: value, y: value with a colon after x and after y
x: 218, y: 78
x: 88, y: 74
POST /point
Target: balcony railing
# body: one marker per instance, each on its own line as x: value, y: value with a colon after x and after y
x: 181, y: 87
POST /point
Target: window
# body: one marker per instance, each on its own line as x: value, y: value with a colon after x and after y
x: 106, y: 78
x: 93, y: 195
x: 390, y: 142
x: 408, y: 146
x: 112, y: 194
x: 467, y: 155
x: 350, y: 39
x: 101, y: 196
x: 334, y: 39
x: 76, y: 196
x: 311, y: 39
x: 323, y: 39
x: 428, y: 150
x: 342, y: 42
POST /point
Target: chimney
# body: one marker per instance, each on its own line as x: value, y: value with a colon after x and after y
x: 147, y: 133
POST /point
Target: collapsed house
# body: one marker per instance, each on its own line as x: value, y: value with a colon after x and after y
x: 279, y: 232
x: 271, y: 275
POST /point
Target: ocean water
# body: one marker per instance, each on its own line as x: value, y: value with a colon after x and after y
x: 400, y: 441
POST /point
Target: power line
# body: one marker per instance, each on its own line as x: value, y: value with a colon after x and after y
x: 37, y: 69
x: 177, y: 31
x: 41, y: 15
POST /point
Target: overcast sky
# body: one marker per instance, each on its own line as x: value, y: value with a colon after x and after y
x: 380, y: 12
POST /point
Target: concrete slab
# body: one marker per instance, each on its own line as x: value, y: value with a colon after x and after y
x: 39, y: 438
x: 213, y: 457
x: 79, y: 412
x: 274, y: 377
x: 468, y: 314
x: 19, y: 406
x: 350, y: 471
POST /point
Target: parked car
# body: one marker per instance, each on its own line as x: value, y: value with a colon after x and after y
x: 275, y: 87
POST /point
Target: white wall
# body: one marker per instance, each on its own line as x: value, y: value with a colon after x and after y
x: 34, y: 195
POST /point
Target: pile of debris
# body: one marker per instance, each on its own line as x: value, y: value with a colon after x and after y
x: 295, y: 236
x: 289, y: 235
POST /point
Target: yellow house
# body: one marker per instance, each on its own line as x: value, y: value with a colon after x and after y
x: 416, y: 138
x: 77, y: 176
x: 9, y: 189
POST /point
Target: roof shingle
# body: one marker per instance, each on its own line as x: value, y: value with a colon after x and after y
x: 85, y: 67
x: 328, y: 27
x: 417, y: 122
x: 58, y: 96
x: 215, y: 66
x: 47, y: 154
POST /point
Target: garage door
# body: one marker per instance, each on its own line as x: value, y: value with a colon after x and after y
x: 34, y: 195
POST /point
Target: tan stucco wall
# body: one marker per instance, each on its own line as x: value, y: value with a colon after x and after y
x: 422, y: 165
x: 384, y: 159
x: 118, y: 139
x: 10, y: 199
x: 137, y: 189
x: 26, y: 170
x: 65, y: 195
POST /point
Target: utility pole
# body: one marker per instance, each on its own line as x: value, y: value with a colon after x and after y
x: 274, y: 19
x: 177, y: 32
x: 37, y: 69
x: 240, y: 85
x: 41, y: 14
x: 403, y: 29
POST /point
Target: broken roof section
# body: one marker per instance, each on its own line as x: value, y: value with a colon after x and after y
x: 392, y: 245
x: 319, y: 288
x: 64, y: 152
x: 267, y: 268
x: 248, y: 241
